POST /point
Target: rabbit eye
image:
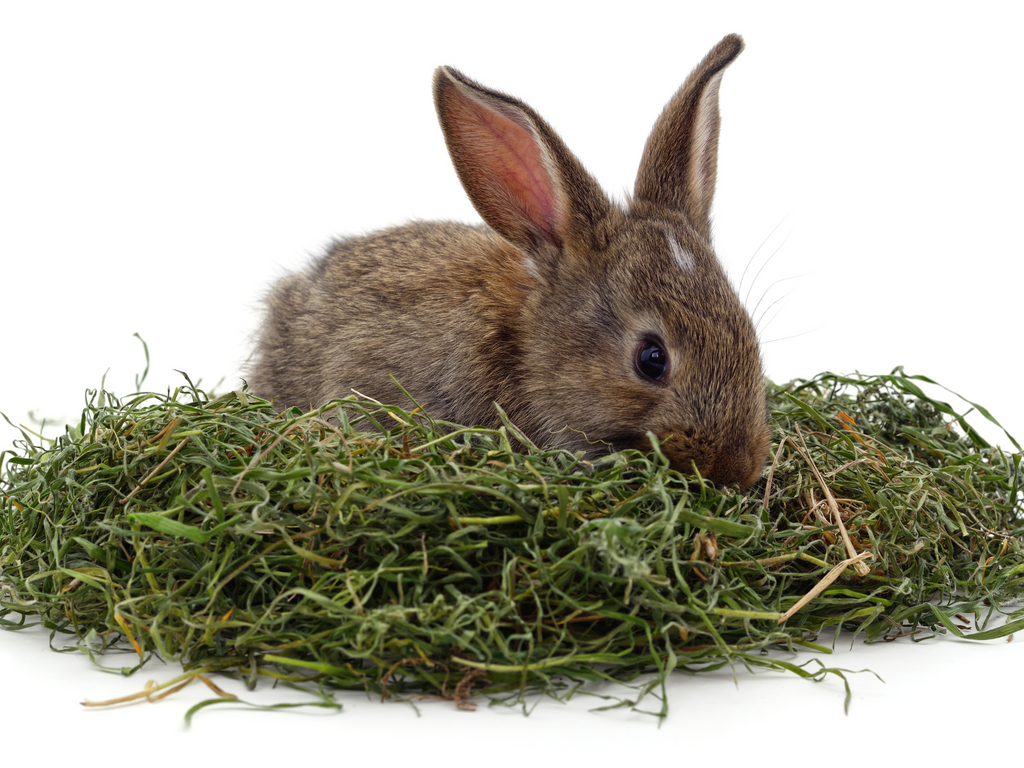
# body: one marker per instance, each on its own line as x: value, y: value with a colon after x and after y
x: 651, y: 360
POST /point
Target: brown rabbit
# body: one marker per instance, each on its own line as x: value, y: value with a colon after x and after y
x: 589, y: 324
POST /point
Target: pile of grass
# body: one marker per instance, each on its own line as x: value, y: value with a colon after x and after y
x: 362, y: 546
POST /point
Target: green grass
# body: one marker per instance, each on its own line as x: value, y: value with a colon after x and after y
x: 362, y: 546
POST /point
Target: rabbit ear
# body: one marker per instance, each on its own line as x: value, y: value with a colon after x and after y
x: 521, y: 178
x: 681, y: 156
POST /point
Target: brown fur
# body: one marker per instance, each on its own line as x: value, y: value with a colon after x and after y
x: 543, y: 311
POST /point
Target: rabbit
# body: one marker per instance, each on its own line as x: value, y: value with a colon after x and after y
x: 590, y: 323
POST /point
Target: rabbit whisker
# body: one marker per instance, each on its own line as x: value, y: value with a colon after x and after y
x: 746, y: 298
x: 792, y: 336
x: 754, y: 256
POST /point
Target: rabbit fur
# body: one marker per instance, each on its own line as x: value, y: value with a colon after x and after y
x: 563, y: 309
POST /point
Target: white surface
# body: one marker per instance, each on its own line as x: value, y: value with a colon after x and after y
x: 159, y: 169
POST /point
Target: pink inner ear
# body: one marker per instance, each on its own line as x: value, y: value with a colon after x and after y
x: 507, y: 148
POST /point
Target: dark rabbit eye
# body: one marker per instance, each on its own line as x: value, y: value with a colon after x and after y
x: 651, y: 360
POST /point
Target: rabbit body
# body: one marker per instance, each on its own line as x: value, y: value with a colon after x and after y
x: 588, y: 323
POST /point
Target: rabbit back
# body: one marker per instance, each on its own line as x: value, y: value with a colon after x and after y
x: 427, y: 303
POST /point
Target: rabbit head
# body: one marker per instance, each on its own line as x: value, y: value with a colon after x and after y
x: 626, y: 324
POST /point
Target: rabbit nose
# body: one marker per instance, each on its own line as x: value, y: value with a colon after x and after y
x: 753, y: 475
x: 731, y: 470
x: 742, y: 462
x: 737, y: 461
x: 741, y: 469
x: 751, y: 458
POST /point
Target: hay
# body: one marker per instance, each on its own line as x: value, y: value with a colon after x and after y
x: 362, y: 546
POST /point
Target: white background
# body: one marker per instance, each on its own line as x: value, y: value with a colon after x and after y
x: 160, y: 168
